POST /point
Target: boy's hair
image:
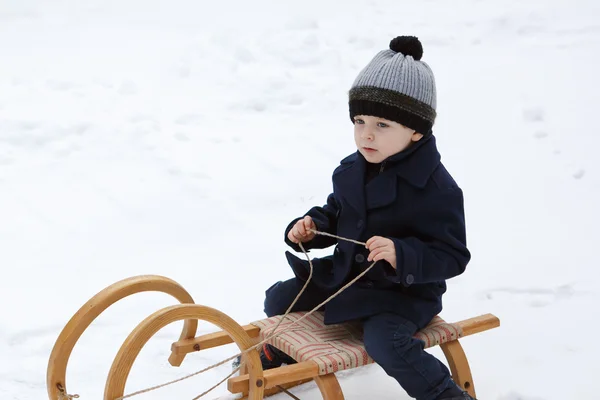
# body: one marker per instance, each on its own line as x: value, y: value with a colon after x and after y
x: 398, y: 86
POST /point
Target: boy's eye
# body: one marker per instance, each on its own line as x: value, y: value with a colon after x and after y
x: 359, y: 121
x: 382, y: 125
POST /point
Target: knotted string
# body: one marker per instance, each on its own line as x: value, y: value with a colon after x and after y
x: 63, y: 395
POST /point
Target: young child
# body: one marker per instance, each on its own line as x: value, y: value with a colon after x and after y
x: 395, y: 195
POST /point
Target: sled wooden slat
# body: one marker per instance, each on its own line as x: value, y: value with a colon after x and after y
x: 479, y: 324
x: 209, y: 341
x: 277, y: 376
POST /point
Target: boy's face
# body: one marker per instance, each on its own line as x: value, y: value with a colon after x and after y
x: 378, y: 138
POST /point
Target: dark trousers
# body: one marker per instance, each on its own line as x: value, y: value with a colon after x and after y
x: 388, y: 339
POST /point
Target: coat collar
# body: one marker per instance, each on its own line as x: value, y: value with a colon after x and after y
x: 416, y: 169
x: 414, y: 165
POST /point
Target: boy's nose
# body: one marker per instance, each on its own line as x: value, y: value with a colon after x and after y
x: 367, y: 134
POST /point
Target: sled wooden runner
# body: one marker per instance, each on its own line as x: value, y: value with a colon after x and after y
x: 339, y: 346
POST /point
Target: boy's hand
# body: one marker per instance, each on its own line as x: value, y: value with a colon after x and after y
x: 301, y: 231
x: 381, y: 249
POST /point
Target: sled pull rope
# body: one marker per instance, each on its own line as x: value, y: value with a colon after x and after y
x: 273, y: 334
x: 337, y: 237
x: 284, y: 390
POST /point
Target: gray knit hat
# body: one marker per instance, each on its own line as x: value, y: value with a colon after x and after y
x: 398, y: 86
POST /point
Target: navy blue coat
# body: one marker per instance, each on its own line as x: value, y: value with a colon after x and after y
x: 412, y: 200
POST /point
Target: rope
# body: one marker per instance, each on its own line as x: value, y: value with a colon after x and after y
x: 284, y: 390
x: 337, y: 237
x: 310, y: 276
x: 223, y: 380
x: 63, y: 395
x: 273, y: 334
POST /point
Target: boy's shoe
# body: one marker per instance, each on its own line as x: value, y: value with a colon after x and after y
x: 236, y: 363
x: 462, y: 396
x: 270, y: 357
x: 455, y: 393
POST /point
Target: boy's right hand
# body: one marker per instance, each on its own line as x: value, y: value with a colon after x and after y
x: 300, y: 232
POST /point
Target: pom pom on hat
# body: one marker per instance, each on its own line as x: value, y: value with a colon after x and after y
x: 407, y: 45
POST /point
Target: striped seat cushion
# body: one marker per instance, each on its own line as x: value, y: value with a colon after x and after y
x: 338, y: 347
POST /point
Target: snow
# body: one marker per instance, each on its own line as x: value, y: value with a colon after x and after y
x: 180, y: 139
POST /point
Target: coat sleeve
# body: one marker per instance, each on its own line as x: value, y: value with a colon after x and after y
x: 325, y: 218
x: 437, y: 250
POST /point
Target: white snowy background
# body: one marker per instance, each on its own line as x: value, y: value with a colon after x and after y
x: 179, y: 138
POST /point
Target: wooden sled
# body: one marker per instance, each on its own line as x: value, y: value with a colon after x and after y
x: 338, y: 346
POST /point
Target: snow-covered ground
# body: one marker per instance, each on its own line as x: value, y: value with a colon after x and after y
x: 179, y: 138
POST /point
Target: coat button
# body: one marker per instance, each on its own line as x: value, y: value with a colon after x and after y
x: 360, y: 224
x: 410, y: 279
x: 359, y: 258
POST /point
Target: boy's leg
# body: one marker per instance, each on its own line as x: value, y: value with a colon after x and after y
x: 279, y: 297
x: 389, y: 340
x: 277, y: 300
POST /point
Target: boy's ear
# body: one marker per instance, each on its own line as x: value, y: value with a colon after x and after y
x: 416, y: 136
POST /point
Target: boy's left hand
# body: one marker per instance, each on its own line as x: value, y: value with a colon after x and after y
x: 381, y: 249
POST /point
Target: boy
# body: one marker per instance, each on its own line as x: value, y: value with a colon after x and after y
x: 395, y: 195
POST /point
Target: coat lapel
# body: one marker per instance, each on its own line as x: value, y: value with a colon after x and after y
x: 349, y: 180
x: 381, y: 191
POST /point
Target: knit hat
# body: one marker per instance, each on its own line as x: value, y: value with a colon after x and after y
x: 398, y: 86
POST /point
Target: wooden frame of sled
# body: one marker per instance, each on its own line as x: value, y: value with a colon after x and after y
x: 253, y: 382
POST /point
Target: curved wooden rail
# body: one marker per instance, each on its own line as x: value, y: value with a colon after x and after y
x: 57, y: 365
x: 121, y: 367
x: 330, y: 387
x: 459, y: 366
